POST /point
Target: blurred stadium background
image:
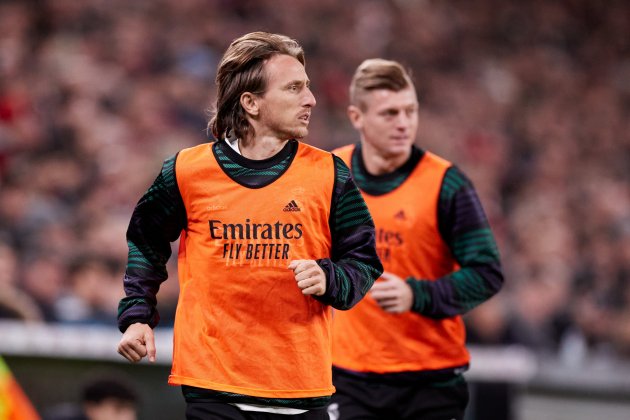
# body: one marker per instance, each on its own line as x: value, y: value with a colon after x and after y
x: 530, y: 98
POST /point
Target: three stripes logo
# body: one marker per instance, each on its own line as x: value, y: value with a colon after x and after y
x: 292, y: 206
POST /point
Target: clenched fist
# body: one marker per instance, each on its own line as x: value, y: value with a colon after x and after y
x: 309, y: 276
x: 137, y: 342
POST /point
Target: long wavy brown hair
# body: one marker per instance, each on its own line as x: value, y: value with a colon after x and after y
x: 242, y: 70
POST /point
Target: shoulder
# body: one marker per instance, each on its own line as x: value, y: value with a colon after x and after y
x: 455, y: 175
x: 307, y: 148
x: 200, y: 149
x: 342, y: 171
x: 437, y: 160
x: 455, y: 181
x: 317, y: 156
x: 189, y: 157
x: 344, y: 150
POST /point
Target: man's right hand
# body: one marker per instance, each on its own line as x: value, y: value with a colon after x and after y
x: 392, y: 294
x: 137, y: 342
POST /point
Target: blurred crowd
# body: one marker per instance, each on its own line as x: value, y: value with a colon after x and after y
x: 531, y: 99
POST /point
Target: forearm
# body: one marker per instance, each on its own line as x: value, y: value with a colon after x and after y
x: 456, y: 293
x: 464, y: 227
x: 146, y: 270
x: 353, y: 265
x: 139, y: 303
x: 348, y: 281
x: 157, y: 220
x: 141, y: 283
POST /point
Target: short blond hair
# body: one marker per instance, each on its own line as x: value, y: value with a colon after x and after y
x: 378, y: 73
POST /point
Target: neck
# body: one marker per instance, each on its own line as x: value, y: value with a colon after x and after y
x: 378, y: 163
x: 260, y: 148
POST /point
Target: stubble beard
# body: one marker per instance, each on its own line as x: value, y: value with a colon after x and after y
x: 285, y: 131
x: 297, y: 133
x: 300, y: 133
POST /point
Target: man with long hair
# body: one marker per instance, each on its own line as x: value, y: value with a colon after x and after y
x: 273, y: 234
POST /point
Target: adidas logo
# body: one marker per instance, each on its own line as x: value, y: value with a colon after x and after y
x: 400, y: 215
x: 292, y: 206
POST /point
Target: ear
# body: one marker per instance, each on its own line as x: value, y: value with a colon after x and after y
x: 250, y: 104
x: 356, y: 116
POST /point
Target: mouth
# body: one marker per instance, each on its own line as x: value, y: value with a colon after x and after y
x: 304, y: 117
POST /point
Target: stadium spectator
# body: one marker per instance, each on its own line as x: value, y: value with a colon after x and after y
x: 104, y: 398
x: 93, y: 291
x: 14, y: 302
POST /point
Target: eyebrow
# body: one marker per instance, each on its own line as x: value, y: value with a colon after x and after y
x: 403, y: 107
x: 306, y: 82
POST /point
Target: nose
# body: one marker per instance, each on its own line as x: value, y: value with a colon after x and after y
x: 309, y: 98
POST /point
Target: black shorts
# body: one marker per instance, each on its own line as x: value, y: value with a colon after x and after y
x: 359, y: 398
x: 224, y: 411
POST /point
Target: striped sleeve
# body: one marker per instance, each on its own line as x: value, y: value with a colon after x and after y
x: 354, y: 264
x: 157, y: 220
x: 464, y: 227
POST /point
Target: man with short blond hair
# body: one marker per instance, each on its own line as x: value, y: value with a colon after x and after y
x: 400, y: 353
